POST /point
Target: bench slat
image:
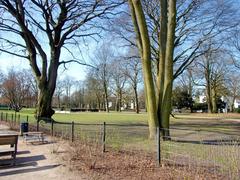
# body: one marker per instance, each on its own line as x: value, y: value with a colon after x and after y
x: 4, y: 152
x: 7, y: 140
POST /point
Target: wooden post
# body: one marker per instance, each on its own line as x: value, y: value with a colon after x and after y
x: 6, y: 117
x: 104, y: 137
x: 52, y: 122
x: 72, y: 131
x: 15, y: 118
x: 38, y: 123
x: 1, y: 116
x: 158, y: 147
x: 27, y: 118
x: 11, y: 120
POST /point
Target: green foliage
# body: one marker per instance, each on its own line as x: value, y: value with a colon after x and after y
x: 237, y: 110
x: 3, y: 107
x: 200, y: 106
x: 220, y: 104
x: 181, y: 98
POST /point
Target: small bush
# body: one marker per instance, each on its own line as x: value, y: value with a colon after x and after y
x: 200, y: 106
x: 237, y: 110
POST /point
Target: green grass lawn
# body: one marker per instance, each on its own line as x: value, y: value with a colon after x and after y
x: 212, y: 127
x: 212, y: 122
x: 89, y: 117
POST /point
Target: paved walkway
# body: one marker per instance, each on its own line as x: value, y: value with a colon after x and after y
x: 36, y: 161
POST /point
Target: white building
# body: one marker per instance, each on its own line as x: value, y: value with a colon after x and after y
x: 237, y: 103
x: 202, y: 99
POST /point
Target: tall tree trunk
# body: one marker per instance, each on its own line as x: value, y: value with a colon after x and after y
x: 140, y: 25
x: 208, y: 85
x: 59, y: 102
x: 136, y: 99
x: 209, y: 97
x: 98, y: 102
x: 168, y: 78
x: 214, y: 101
x: 120, y: 100
x: 117, y: 104
x: 106, y: 97
x: 44, y: 106
x: 162, y: 55
x: 232, y: 104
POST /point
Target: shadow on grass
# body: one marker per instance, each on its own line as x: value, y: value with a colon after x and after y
x: 222, y: 127
x: 224, y: 142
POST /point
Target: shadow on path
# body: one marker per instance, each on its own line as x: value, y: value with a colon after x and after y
x: 34, y: 169
x: 4, y: 163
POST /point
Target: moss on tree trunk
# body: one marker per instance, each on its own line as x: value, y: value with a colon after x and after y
x: 44, y: 106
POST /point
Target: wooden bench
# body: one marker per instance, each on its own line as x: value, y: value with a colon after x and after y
x: 12, y: 140
x: 33, y: 136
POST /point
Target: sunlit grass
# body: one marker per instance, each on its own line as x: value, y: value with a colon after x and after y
x: 193, y: 128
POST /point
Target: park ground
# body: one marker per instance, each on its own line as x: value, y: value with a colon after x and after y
x: 59, y: 159
x: 36, y: 161
x: 86, y: 161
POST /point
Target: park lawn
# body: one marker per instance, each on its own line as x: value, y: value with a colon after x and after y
x: 192, y: 121
x: 88, y: 117
x: 99, y: 117
x: 213, y: 127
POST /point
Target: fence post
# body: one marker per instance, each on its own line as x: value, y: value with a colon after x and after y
x: 158, y: 147
x: 27, y: 118
x: 1, y: 116
x: 15, y: 119
x: 52, y: 122
x: 18, y: 118
x: 37, y: 125
x: 12, y: 117
x: 6, y: 117
x: 72, y: 131
x: 103, y: 136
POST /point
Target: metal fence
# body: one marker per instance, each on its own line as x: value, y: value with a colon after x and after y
x: 191, y: 148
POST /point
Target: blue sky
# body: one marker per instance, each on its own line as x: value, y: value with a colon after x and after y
x: 8, y: 61
x: 74, y: 70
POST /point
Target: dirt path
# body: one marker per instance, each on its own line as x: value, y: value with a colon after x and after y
x: 37, y: 161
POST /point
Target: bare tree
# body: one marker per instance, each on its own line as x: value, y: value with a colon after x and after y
x: 68, y: 83
x: 16, y: 89
x: 211, y: 73
x: 103, y: 60
x: 133, y: 72
x: 79, y: 95
x: 94, y: 91
x: 59, y: 92
x: 119, y: 80
x: 233, y: 90
x: 42, y: 30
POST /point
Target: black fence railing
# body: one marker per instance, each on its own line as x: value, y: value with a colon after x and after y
x: 217, y: 151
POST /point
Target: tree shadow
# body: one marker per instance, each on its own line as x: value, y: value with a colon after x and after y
x: 222, y: 127
x: 23, y: 165
x: 23, y: 152
x: 218, y: 142
x: 34, y: 169
x: 21, y: 161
